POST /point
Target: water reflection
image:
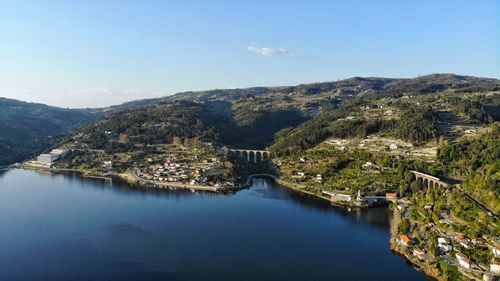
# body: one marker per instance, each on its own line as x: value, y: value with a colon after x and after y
x: 261, y: 187
x: 74, y: 228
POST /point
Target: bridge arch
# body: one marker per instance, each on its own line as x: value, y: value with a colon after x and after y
x: 250, y: 155
x: 428, y: 181
x: 258, y: 156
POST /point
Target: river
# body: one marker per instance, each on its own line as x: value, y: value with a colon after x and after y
x: 65, y: 227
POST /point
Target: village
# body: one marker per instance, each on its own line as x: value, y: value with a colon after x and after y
x: 427, y: 232
x: 209, y: 172
x: 201, y: 166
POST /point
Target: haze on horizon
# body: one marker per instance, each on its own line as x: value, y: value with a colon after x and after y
x: 99, y: 53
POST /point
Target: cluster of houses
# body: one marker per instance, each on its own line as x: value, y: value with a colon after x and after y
x: 169, y: 172
x: 445, y: 246
x: 175, y: 171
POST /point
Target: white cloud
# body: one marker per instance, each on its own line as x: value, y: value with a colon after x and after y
x: 268, y: 51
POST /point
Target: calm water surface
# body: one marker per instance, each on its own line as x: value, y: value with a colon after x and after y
x: 63, y: 227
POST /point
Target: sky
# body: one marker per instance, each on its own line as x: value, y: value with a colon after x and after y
x: 96, y: 53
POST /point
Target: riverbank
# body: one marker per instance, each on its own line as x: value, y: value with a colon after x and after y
x: 133, y: 180
x: 430, y: 272
x: 300, y: 190
x: 428, y: 269
x: 348, y: 204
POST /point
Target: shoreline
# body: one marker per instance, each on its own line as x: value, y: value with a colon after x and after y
x: 398, y: 250
x: 415, y: 264
x: 346, y: 204
x: 129, y: 179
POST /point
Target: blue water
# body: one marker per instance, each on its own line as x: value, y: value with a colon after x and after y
x: 64, y: 227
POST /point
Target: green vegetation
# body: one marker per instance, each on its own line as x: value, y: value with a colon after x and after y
x: 475, y: 161
x: 417, y: 125
x: 482, y: 108
x: 28, y: 128
x: 361, y: 135
x: 449, y: 272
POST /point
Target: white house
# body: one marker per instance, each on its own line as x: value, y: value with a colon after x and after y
x: 57, y: 151
x: 495, y: 267
x: 419, y: 253
x: 496, y: 250
x: 393, y: 146
x: 464, y: 241
x: 463, y: 260
x: 319, y: 178
x: 444, y: 244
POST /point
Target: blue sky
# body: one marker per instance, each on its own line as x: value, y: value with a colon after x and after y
x: 97, y: 53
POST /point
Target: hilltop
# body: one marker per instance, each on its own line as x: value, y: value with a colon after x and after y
x: 250, y: 117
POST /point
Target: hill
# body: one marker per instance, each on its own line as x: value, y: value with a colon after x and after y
x: 26, y: 128
x: 214, y: 121
x: 305, y: 114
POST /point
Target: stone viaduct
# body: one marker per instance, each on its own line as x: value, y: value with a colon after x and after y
x: 251, y: 155
x: 428, y: 181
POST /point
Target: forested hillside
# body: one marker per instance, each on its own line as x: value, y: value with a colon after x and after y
x: 26, y: 128
x: 289, y: 118
x: 475, y: 161
x: 161, y: 123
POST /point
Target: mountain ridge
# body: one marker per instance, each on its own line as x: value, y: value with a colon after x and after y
x: 32, y: 125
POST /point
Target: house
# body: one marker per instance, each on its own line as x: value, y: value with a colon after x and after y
x: 393, y: 146
x: 367, y: 165
x: 402, y: 206
x: 490, y: 277
x: 496, y: 250
x: 419, y: 253
x: 444, y: 244
x: 446, y: 247
x: 478, y: 241
x: 495, y: 267
x: 428, y: 208
x: 463, y: 260
x: 391, y: 195
x: 470, y: 131
x: 443, y: 240
x: 405, y: 240
x: 464, y: 241
x: 57, y: 151
x: 319, y: 178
